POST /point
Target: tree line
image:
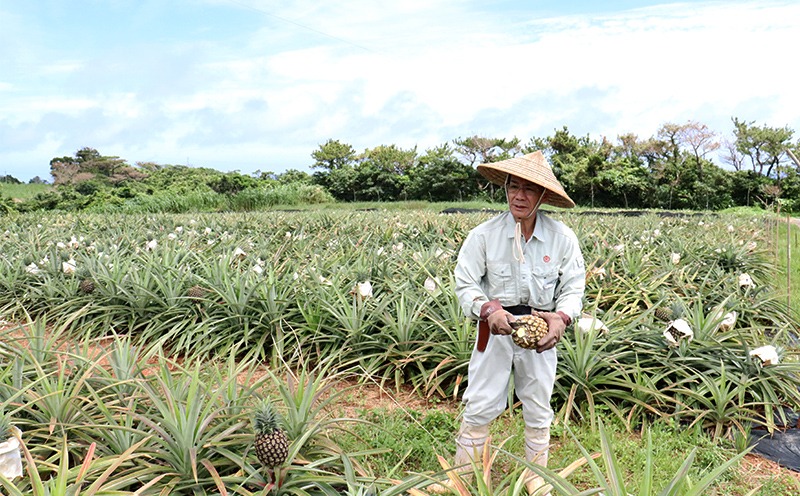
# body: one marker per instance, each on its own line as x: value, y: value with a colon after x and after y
x: 671, y: 170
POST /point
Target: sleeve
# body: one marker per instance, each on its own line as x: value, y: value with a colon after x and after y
x: 470, y: 270
x: 572, y: 281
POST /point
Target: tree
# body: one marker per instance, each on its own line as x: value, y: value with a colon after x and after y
x: 88, y: 164
x: 293, y: 176
x: 764, y: 146
x: 333, y: 155
x: 381, y: 172
x: 439, y: 176
x: 9, y: 180
x: 231, y: 183
x: 478, y: 150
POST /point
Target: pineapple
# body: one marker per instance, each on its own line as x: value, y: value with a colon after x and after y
x: 663, y: 314
x: 196, y: 293
x: 669, y: 311
x: 86, y: 286
x: 528, y: 330
x: 271, y: 443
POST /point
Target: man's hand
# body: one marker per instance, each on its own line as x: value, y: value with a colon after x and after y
x: 555, y: 330
x: 497, y: 318
x: 498, y: 322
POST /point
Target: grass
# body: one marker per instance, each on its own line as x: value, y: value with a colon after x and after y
x: 786, y: 239
x: 412, y: 437
x: 22, y: 191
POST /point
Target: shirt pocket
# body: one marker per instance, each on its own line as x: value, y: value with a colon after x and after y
x: 499, y: 280
x: 543, y: 287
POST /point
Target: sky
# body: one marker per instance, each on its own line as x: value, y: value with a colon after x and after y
x: 258, y: 85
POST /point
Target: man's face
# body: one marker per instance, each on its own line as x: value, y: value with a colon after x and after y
x: 522, y: 196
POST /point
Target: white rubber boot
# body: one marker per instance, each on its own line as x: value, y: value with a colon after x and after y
x: 537, y: 446
x: 470, y: 443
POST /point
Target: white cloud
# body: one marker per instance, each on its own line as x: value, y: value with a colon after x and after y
x: 406, y: 73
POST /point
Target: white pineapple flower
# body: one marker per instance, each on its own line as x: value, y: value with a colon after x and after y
x: 751, y: 246
x: 288, y: 235
x: 620, y: 248
x: 363, y: 290
x: 69, y: 267
x: 745, y: 281
x: 730, y: 228
x: 44, y: 260
x: 239, y: 253
x: 768, y: 355
x: 325, y: 281
x: 32, y: 268
x: 677, y: 331
x: 179, y: 229
x: 728, y: 321
x: 589, y: 324
x: 257, y: 269
x: 172, y: 236
x: 657, y: 232
x: 295, y: 276
x: 379, y: 251
x: 207, y: 230
x: 676, y: 258
x: 151, y: 245
x: 61, y: 245
x: 398, y: 247
x: 73, y: 242
x: 431, y: 284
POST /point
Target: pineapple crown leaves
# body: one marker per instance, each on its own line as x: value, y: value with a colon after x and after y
x: 266, y: 418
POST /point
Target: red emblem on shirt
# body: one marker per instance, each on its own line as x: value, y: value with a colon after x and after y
x: 546, y: 258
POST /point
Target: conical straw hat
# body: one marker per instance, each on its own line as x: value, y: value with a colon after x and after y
x: 533, y: 167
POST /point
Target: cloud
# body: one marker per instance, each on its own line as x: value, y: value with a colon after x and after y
x: 416, y: 73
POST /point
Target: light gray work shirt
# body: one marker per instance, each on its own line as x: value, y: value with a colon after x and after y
x: 552, y: 277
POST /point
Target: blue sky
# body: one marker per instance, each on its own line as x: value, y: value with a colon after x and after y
x: 259, y: 84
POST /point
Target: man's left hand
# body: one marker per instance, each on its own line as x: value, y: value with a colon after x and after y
x: 555, y: 330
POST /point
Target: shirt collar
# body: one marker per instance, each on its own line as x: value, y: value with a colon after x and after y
x: 508, y: 227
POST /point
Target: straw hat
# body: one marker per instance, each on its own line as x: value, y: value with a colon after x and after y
x: 534, y: 168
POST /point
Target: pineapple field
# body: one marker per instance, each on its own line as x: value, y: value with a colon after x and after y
x: 211, y: 353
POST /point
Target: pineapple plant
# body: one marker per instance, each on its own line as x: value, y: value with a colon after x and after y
x: 528, y: 330
x: 271, y: 443
x: 5, y: 427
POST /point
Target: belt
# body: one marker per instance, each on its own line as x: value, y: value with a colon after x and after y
x: 518, y: 310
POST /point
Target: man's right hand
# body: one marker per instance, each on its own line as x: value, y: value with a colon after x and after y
x: 498, y: 322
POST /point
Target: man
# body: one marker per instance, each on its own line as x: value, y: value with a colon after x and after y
x: 520, y: 262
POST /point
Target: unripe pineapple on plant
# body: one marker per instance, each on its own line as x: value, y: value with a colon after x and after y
x: 196, y: 293
x: 86, y: 286
x: 528, y: 330
x: 271, y: 443
x: 669, y: 311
